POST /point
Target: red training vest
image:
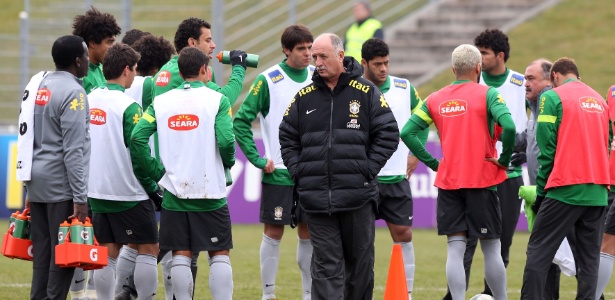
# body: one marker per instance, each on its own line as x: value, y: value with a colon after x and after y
x: 581, y: 156
x: 459, y: 111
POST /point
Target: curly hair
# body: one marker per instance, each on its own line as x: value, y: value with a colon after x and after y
x: 495, y: 40
x: 95, y: 26
x: 133, y: 35
x: 188, y: 28
x: 373, y: 48
x: 155, y: 52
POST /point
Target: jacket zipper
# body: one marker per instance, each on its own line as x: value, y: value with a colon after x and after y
x: 329, y: 150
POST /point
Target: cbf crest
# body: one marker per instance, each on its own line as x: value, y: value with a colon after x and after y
x: 355, y: 106
x: 277, y: 212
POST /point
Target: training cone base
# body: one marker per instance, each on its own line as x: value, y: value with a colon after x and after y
x: 13, y: 247
x: 397, y: 287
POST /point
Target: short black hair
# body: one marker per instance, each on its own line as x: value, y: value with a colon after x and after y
x: 155, y: 52
x: 117, y: 58
x: 564, y: 66
x: 66, y: 49
x: 132, y: 36
x: 294, y: 35
x: 373, y: 48
x: 188, y: 28
x: 494, y: 39
x: 95, y: 26
x: 190, y: 62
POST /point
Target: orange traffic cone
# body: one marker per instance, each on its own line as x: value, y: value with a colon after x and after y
x: 396, y: 287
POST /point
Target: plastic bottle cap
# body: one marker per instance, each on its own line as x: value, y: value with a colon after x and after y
x: 64, y: 224
x: 76, y: 222
x: 219, y: 56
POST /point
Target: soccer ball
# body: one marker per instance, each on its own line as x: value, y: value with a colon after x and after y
x: 482, y: 297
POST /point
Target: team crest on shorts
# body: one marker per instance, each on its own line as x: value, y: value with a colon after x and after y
x: 277, y: 212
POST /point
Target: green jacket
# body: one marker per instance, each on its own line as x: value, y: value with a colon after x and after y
x: 549, y: 119
x: 94, y: 79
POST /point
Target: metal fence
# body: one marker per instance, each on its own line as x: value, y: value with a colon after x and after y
x: 250, y: 25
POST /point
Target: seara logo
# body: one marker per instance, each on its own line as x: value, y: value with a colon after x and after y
x: 183, y: 122
x: 453, y: 108
x: 163, y: 78
x: 42, y: 96
x: 591, y: 104
x: 98, y: 116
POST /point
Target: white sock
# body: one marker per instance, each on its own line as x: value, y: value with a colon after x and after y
x: 455, y: 274
x: 125, y: 267
x: 90, y: 282
x: 221, y: 277
x: 495, y: 272
x: 181, y: 276
x: 146, y: 276
x: 407, y: 251
x: 78, y: 283
x: 104, y: 281
x: 166, y: 262
x: 605, y: 270
x: 304, y: 259
x: 269, y: 256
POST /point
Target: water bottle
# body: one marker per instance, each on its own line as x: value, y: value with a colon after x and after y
x: 63, y: 232
x: 225, y: 58
x: 20, y: 230
x: 12, y: 221
x: 88, y: 233
x: 76, y: 228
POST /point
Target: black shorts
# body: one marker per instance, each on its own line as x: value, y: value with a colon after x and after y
x: 476, y: 211
x: 276, y: 205
x: 609, y: 226
x: 136, y: 225
x: 395, y: 203
x: 196, y: 231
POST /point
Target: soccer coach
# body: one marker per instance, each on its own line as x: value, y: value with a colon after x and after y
x: 336, y: 135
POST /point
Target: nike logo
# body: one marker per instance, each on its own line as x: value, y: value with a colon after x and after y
x: 410, y: 218
x: 79, y: 281
x: 309, y: 111
x: 268, y: 285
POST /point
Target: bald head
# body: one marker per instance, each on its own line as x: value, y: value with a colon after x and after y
x: 465, y: 59
x: 328, y: 55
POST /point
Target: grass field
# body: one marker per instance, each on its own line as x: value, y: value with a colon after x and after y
x: 571, y: 28
x: 430, y: 281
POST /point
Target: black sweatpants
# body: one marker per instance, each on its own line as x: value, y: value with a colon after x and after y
x: 343, y: 258
x: 48, y: 280
x: 554, y: 221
